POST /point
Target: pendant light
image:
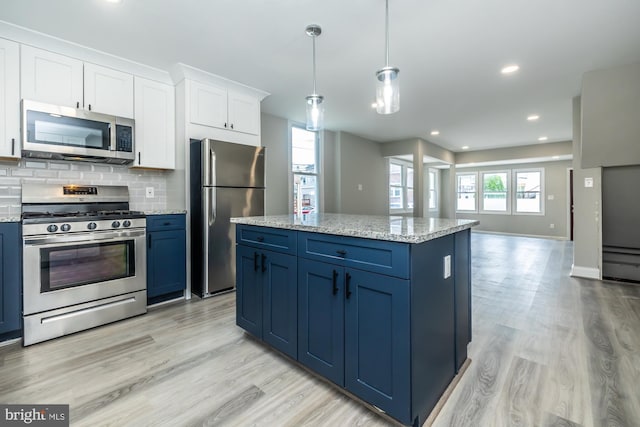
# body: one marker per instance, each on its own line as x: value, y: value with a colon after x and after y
x: 315, y: 107
x: 387, y: 84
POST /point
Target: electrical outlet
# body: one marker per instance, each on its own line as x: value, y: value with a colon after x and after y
x: 359, y: 187
x: 149, y: 193
x: 552, y: 226
x: 447, y: 266
x: 550, y: 197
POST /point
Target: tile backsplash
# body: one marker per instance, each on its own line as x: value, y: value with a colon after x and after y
x: 13, y: 174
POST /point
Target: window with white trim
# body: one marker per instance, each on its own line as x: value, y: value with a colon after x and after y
x: 466, y: 189
x: 433, y: 189
x: 305, y: 170
x: 400, y: 187
x: 495, y: 192
x: 529, y: 191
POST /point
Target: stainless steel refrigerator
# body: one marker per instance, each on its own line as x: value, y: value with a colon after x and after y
x: 227, y: 180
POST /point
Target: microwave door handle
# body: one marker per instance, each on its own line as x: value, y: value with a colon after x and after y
x: 112, y: 138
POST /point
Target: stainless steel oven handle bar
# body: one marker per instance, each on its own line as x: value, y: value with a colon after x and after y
x: 74, y: 239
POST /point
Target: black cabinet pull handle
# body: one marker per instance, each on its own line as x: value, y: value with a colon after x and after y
x: 139, y: 158
x: 166, y: 223
x: 150, y: 240
x: 264, y: 266
x: 78, y: 104
x: 335, y: 280
x: 13, y: 146
x: 260, y: 239
x: 255, y: 261
x: 347, y: 291
x: 341, y: 252
x: 225, y: 124
x: 89, y: 107
x: 231, y: 125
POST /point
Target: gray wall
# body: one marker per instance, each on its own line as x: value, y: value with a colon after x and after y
x: 611, y: 117
x: 331, y: 171
x: 587, y: 202
x: 361, y: 162
x: 513, y: 153
x: 275, y: 137
x: 555, y: 211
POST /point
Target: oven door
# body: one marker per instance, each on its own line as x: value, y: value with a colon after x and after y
x: 65, y: 270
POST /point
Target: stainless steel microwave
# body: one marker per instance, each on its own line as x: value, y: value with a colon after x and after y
x: 65, y: 133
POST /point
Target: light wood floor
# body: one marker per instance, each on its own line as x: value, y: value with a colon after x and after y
x: 547, y: 350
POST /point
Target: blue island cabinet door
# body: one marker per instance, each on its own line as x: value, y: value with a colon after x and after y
x: 166, y: 266
x: 249, y: 290
x: 10, y: 278
x: 377, y: 344
x: 321, y: 318
x: 280, y: 292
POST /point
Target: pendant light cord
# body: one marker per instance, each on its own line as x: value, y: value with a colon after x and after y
x: 314, y: 64
x: 387, y: 33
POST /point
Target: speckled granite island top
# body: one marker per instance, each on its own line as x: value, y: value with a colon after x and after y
x: 389, y: 228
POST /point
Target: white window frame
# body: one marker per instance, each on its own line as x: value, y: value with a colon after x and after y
x: 436, y: 187
x: 508, y: 196
x: 475, y: 210
x: 317, y: 174
x: 515, y: 191
x: 404, y: 185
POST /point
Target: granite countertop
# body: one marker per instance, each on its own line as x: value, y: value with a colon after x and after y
x: 165, y: 212
x: 390, y: 228
x: 10, y: 218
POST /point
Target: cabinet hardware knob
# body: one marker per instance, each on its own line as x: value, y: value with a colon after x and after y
x: 149, y: 240
x: 78, y: 104
x: 347, y: 291
x: 166, y: 223
x: 13, y: 146
x: 225, y: 124
x: 260, y: 239
x: 341, y: 252
x: 231, y: 125
x: 139, y: 158
x: 335, y: 282
x: 89, y: 107
x: 255, y: 261
x: 264, y: 267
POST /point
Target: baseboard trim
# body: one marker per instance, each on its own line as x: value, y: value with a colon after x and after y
x: 585, y: 272
x: 537, y: 236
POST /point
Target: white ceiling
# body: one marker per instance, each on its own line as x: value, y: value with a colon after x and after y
x: 449, y: 53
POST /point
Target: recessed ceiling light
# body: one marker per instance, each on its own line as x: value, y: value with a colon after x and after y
x: 542, y: 138
x: 374, y: 104
x: 533, y: 117
x: 509, y: 69
x: 465, y: 147
x: 435, y: 132
x: 113, y: 1
x: 555, y: 157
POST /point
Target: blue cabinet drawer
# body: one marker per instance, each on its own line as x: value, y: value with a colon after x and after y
x: 274, y: 239
x: 165, y: 222
x: 376, y: 256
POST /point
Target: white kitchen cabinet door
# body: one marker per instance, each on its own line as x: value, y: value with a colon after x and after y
x: 50, y: 78
x: 155, y: 138
x: 108, y: 91
x: 244, y: 113
x: 208, y: 105
x: 9, y: 100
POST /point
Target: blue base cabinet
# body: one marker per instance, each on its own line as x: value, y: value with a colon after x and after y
x: 166, y: 257
x: 10, y: 280
x: 266, y: 290
x: 383, y: 320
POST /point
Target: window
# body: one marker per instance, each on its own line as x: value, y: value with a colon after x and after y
x: 304, y: 167
x: 433, y: 189
x: 529, y: 191
x: 495, y: 188
x: 400, y: 187
x: 466, y: 189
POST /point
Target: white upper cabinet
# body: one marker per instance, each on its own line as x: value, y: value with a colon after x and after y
x: 224, y: 108
x: 9, y: 100
x: 108, y: 91
x: 154, y: 125
x: 244, y: 113
x: 57, y: 79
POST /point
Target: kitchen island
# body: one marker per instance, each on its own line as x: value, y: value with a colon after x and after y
x: 378, y: 305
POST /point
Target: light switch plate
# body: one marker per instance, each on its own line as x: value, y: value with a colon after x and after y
x: 149, y: 193
x: 447, y: 266
x: 588, y: 182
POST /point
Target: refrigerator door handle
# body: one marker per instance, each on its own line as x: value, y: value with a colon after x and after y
x: 208, y: 164
x: 209, y: 207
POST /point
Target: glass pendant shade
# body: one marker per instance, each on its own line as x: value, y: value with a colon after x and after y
x: 315, y: 112
x: 387, y: 90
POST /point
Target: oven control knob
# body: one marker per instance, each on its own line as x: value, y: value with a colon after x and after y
x: 92, y: 226
x: 65, y: 227
x: 126, y: 223
x: 115, y: 224
x: 52, y: 228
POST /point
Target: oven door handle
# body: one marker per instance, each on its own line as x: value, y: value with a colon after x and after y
x: 74, y: 239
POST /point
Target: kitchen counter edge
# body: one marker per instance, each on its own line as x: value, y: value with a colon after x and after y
x: 412, y: 230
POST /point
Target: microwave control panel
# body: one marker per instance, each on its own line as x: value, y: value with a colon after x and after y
x: 124, y: 138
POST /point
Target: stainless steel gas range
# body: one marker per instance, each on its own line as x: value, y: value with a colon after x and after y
x: 84, y: 258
